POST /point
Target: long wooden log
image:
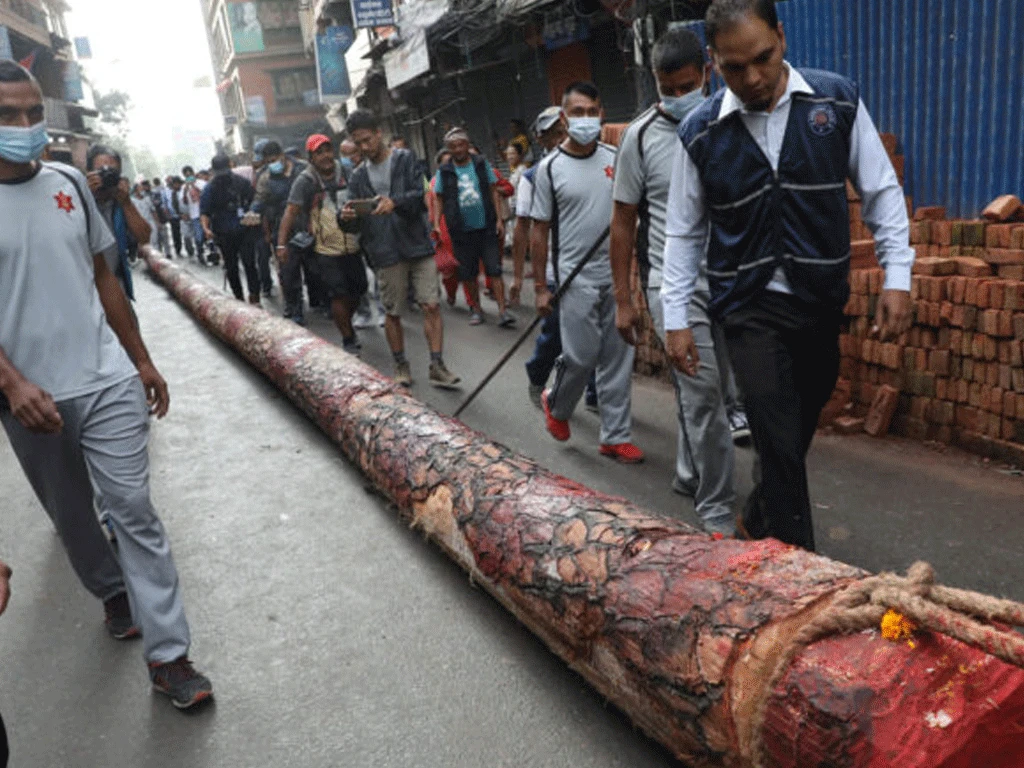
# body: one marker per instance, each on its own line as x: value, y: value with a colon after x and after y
x: 679, y: 631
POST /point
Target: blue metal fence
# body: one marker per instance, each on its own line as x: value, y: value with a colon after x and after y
x: 946, y: 76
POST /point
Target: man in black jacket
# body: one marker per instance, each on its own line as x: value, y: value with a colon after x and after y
x: 397, y: 243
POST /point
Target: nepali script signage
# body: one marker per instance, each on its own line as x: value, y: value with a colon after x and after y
x: 372, y: 13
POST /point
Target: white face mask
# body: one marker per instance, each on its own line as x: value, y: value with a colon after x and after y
x: 584, y: 130
x: 681, y: 106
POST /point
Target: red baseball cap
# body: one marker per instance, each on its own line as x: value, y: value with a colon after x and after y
x: 317, y: 140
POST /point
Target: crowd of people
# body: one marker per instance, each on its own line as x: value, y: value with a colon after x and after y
x: 724, y: 215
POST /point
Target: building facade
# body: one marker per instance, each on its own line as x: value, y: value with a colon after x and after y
x: 265, y: 80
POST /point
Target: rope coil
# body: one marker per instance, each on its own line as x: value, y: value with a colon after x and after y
x: 956, y: 613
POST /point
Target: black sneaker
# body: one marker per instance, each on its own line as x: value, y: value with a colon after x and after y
x: 179, y: 680
x: 119, y: 618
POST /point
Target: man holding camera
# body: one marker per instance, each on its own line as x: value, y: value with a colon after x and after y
x: 113, y: 198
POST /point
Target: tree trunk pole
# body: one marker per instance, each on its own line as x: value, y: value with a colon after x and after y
x: 679, y: 631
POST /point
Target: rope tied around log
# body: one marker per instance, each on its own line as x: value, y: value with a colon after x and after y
x: 956, y: 613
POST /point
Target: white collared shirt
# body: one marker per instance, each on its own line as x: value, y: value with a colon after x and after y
x: 883, y: 206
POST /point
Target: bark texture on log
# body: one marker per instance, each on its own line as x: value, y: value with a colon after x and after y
x: 679, y: 631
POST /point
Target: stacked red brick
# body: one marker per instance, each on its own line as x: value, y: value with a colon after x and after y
x: 960, y: 369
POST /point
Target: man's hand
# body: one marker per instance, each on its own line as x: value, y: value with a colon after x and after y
x: 501, y: 234
x: 123, y: 191
x: 384, y: 207
x: 348, y: 213
x: 156, y: 390
x: 627, y: 320
x: 281, y: 254
x: 682, y: 351
x: 515, y: 291
x: 5, y: 585
x: 34, y: 409
x: 893, y: 316
x: 94, y: 181
x: 544, y: 300
x: 209, y: 233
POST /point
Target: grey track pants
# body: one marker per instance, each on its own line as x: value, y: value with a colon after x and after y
x: 705, y: 457
x: 102, y: 450
x: 590, y: 342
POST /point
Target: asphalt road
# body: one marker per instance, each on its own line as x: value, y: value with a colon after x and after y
x: 336, y: 636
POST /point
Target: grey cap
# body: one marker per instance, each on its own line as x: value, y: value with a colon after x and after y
x: 546, y: 119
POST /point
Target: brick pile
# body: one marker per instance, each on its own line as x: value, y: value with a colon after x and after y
x: 958, y: 374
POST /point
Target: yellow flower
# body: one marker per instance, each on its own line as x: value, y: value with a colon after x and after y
x: 897, y: 627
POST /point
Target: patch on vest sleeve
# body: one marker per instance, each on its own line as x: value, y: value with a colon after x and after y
x: 822, y: 119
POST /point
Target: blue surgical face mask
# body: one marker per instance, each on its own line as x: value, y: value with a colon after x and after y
x: 681, y: 106
x: 276, y: 167
x: 23, y: 145
x: 347, y: 162
x: 584, y: 130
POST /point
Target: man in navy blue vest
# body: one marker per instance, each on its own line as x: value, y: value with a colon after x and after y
x: 759, y: 185
x: 470, y: 203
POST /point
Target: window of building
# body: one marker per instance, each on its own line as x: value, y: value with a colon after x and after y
x: 295, y: 88
x: 280, y: 22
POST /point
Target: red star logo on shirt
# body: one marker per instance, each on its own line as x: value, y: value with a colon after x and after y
x: 609, y: 171
x: 64, y: 202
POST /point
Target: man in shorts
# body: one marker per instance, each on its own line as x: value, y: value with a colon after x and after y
x: 396, y: 241
x: 318, y: 196
x: 470, y: 203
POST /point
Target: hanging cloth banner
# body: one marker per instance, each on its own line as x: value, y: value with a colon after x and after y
x: 331, y: 71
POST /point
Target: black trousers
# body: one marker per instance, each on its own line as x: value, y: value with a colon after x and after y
x: 785, y: 355
x: 291, y: 275
x: 263, y: 261
x: 235, y: 246
x: 176, y: 235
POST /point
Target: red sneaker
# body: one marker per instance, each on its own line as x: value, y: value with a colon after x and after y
x: 558, y: 429
x: 624, y: 453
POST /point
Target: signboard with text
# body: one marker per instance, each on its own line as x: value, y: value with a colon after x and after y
x: 331, y: 72
x: 410, y: 59
x: 372, y: 13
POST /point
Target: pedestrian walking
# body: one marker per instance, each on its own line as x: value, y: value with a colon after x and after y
x: 319, y: 195
x: 156, y: 191
x: 78, y: 389
x: 705, y: 457
x: 273, y: 187
x: 759, y: 187
x: 221, y: 207
x: 550, y: 132
x: 470, y: 201
x: 172, y: 195
x: 572, y: 200
x: 262, y: 247
x: 397, y: 243
x: 112, y: 194
x: 189, y: 196
x: 143, y: 202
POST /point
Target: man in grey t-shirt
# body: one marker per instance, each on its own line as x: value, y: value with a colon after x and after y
x: 78, y: 389
x: 704, y: 454
x: 572, y: 202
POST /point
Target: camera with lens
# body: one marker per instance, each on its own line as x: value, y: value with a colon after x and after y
x: 109, y: 177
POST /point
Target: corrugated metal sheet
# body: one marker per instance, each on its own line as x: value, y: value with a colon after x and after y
x: 946, y: 76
